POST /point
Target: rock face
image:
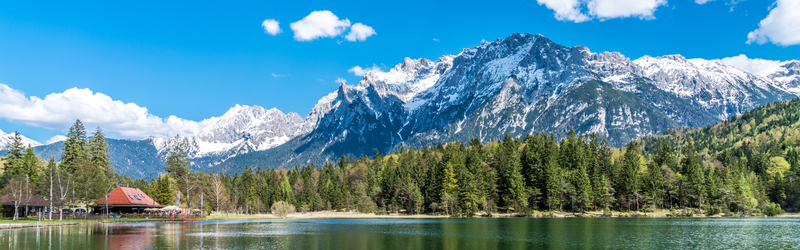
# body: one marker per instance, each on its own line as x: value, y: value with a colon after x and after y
x: 522, y: 84
x: 241, y: 130
x: 786, y: 75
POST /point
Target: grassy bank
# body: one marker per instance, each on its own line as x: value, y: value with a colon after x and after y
x: 6, y: 223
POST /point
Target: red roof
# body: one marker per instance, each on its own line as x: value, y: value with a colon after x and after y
x: 125, y: 196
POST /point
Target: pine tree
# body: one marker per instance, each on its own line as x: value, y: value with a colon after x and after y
x: 513, y: 184
x: 654, y: 181
x: 629, y: 179
x: 14, y: 157
x: 450, y: 183
x: 178, y: 167
x: 694, y: 172
x: 30, y: 165
x: 286, y: 193
x: 98, y: 154
x: 75, y: 148
x: 552, y: 173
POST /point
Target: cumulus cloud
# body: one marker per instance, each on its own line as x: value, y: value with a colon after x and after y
x: 271, y: 26
x: 56, y: 138
x: 566, y: 10
x: 702, y: 1
x: 359, y: 32
x: 752, y: 65
x: 339, y: 80
x: 585, y: 10
x: 359, y: 71
x: 58, y: 111
x: 321, y: 23
x: 781, y: 26
x: 609, y: 9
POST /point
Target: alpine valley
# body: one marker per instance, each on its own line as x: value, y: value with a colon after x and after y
x: 521, y: 84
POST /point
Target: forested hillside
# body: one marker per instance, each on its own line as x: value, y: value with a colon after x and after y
x: 747, y: 164
x: 761, y: 146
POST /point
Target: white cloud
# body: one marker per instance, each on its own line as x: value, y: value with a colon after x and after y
x: 277, y: 75
x: 321, y: 23
x: 359, y: 32
x: 752, y: 65
x: 56, y: 138
x: 702, y: 1
x: 781, y: 26
x: 609, y: 9
x: 340, y: 80
x: 566, y: 10
x: 585, y: 10
x: 271, y: 26
x: 359, y: 71
x: 58, y: 111
x: 436, y: 40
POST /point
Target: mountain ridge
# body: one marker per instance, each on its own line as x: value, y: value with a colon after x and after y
x: 521, y: 84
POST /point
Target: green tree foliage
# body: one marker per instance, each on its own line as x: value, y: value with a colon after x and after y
x: 748, y: 164
x: 98, y: 154
x: 13, y: 163
x: 75, y: 148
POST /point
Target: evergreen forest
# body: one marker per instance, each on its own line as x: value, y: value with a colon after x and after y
x: 748, y: 164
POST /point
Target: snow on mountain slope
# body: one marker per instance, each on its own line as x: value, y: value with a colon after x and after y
x: 6, y: 139
x: 787, y: 75
x: 517, y: 85
x: 240, y: 130
x: 521, y: 84
x: 721, y: 89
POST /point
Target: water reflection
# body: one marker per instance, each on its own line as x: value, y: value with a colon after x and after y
x: 470, y: 233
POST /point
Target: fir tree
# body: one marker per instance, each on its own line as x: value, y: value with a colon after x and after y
x: 98, y: 154
x: 75, y: 148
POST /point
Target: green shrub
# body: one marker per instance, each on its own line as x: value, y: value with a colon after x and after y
x: 713, y: 210
x: 772, y: 209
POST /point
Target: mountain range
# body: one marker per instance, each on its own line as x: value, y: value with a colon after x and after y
x: 521, y: 84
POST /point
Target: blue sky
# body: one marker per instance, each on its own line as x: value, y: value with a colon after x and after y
x: 194, y: 60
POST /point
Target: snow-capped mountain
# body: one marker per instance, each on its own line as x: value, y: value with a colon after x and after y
x: 522, y: 84
x: 786, y: 75
x: 241, y: 130
x: 6, y: 139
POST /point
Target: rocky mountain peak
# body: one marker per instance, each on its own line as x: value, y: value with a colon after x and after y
x: 5, y: 140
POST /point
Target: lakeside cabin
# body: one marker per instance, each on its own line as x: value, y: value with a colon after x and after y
x: 126, y: 200
x: 36, y: 203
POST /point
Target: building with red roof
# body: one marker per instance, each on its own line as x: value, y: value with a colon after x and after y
x: 126, y: 200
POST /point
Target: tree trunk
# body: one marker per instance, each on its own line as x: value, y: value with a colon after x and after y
x: 51, y: 194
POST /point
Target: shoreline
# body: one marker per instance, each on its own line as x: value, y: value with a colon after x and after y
x: 355, y: 215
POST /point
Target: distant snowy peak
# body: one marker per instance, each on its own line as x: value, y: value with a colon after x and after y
x: 408, y: 78
x: 787, y: 75
x: 6, y: 139
x: 251, y: 121
x: 688, y: 77
x: 240, y: 130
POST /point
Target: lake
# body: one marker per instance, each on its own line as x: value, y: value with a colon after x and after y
x: 455, y: 233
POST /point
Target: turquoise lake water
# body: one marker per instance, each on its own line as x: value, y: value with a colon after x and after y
x: 455, y: 233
